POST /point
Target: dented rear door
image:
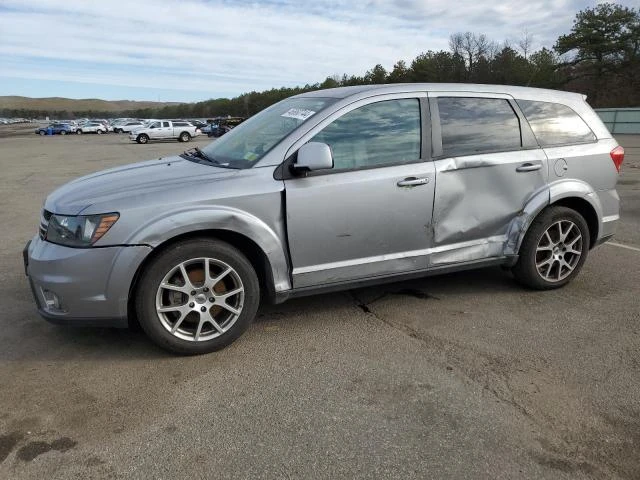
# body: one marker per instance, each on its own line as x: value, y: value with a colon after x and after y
x: 488, y: 165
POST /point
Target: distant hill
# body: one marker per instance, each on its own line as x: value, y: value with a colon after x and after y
x: 75, y: 105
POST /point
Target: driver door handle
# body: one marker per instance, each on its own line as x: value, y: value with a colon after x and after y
x: 529, y: 167
x: 413, y: 181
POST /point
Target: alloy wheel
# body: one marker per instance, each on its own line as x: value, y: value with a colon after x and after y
x: 559, y: 250
x: 200, y: 299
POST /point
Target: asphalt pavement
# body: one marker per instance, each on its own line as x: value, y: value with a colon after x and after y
x: 459, y: 376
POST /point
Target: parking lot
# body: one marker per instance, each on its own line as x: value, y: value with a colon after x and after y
x: 461, y: 376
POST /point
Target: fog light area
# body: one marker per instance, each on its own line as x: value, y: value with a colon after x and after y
x: 52, y: 301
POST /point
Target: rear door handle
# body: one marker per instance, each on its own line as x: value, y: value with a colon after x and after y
x: 413, y: 181
x: 529, y: 167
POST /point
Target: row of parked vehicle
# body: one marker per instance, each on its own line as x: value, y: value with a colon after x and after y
x: 143, y: 131
x: 11, y: 121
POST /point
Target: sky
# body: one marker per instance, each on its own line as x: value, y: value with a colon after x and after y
x: 192, y: 50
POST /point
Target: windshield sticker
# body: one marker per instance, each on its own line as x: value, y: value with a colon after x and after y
x: 299, y: 113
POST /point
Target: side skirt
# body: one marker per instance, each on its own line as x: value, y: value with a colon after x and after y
x: 439, y: 270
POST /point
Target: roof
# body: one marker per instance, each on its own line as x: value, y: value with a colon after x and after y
x: 516, y: 92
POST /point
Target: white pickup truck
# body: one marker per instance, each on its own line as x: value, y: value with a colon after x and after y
x: 165, y: 130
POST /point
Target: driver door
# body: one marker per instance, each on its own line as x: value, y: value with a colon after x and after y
x: 370, y: 215
x: 154, y: 130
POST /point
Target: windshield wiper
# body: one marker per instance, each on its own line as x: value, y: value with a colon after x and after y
x: 197, y: 152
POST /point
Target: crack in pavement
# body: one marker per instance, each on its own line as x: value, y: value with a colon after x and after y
x: 493, y: 374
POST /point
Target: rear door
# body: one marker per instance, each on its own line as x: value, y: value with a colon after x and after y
x: 370, y: 215
x: 488, y: 165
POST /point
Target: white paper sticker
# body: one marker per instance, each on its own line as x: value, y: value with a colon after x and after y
x: 299, y: 113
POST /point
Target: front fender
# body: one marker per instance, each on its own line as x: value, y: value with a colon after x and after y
x: 556, y: 191
x: 158, y: 230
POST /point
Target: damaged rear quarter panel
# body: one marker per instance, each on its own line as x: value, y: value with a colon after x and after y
x: 480, y: 201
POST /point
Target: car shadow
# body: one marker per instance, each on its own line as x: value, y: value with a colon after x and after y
x: 45, y: 342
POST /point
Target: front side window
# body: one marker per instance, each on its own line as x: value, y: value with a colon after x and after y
x: 471, y: 126
x: 382, y: 133
x: 555, y: 124
x: 155, y: 125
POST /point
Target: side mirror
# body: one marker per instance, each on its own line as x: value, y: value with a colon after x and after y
x: 314, y: 156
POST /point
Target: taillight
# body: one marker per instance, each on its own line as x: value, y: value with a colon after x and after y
x: 617, y: 155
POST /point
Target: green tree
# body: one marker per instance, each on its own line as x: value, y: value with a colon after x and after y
x: 399, y: 74
x: 604, y: 43
x: 376, y: 75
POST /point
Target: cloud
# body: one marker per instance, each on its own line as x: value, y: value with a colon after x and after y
x: 234, y: 46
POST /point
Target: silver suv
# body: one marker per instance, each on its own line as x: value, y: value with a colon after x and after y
x: 330, y: 190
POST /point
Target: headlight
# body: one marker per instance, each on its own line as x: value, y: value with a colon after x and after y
x: 81, y: 230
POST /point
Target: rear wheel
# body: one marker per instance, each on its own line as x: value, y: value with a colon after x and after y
x: 79, y: 132
x: 42, y: 132
x: 99, y: 132
x: 197, y: 296
x: 63, y: 132
x: 142, y: 138
x: 554, y: 249
x: 184, y: 137
x: 117, y: 130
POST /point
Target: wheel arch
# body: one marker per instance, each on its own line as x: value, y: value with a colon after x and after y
x: 248, y: 247
x: 574, y: 194
x: 588, y: 212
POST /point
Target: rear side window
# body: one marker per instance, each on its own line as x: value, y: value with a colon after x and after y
x: 477, y: 125
x: 180, y: 124
x: 555, y: 124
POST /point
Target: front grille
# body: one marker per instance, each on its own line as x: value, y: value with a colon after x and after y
x: 44, y: 223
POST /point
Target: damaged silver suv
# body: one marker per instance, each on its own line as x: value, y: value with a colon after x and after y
x: 330, y: 190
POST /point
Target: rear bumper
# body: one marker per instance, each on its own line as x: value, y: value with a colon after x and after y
x: 88, y: 287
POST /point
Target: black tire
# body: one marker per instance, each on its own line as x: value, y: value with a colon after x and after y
x: 142, y: 138
x: 42, y: 132
x: 63, y: 132
x: 184, y: 137
x: 525, y: 270
x: 117, y: 130
x: 99, y: 132
x: 153, y: 274
x: 79, y: 132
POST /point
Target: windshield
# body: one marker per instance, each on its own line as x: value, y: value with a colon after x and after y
x: 246, y: 144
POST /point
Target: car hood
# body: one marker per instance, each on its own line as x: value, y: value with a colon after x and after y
x: 132, y: 183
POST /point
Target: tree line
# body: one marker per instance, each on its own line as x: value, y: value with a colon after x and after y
x: 599, y: 57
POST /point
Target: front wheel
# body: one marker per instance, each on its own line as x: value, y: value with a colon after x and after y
x: 42, y: 132
x: 63, y: 132
x: 197, y: 296
x: 142, y: 138
x: 554, y: 249
x: 99, y: 132
x: 78, y: 132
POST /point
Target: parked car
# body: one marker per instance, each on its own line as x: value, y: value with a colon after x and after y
x: 92, y: 127
x: 72, y: 126
x: 128, y: 126
x: 208, y: 128
x: 54, y: 129
x: 165, y: 130
x: 224, y: 126
x: 330, y: 190
x: 198, y: 123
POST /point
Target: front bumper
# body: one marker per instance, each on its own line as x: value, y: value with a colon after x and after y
x: 82, y: 286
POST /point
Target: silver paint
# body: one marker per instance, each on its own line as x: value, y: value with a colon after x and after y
x: 334, y: 228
